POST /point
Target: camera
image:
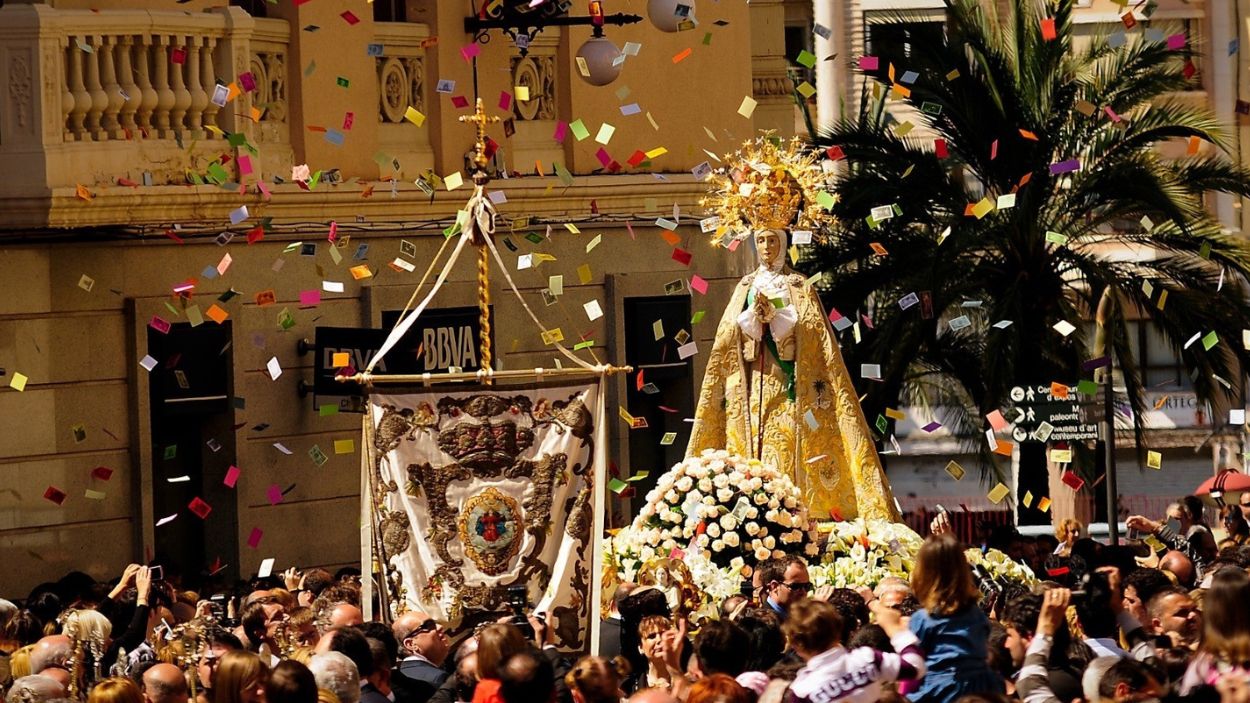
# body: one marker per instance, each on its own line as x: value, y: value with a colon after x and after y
x: 518, y: 603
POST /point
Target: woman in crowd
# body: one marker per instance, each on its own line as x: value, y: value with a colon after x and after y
x: 719, y: 688
x: 1225, y: 648
x: 596, y: 680
x: 1235, y: 526
x: 241, y: 678
x: 1068, y: 531
x: 952, y: 628
x: 291, y: 682
x: 496, y: 643
x: 651, y: 644
x: 115, y: 690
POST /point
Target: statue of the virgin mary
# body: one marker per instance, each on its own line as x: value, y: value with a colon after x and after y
x: 776, y: 388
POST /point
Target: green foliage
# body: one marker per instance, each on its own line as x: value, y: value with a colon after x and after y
x: 1127, y: 197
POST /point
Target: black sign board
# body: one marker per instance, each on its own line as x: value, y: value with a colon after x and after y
x: 1040, y: 416
x: 440, y: 340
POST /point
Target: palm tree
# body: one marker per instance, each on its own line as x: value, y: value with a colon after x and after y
x: 1011, y: 106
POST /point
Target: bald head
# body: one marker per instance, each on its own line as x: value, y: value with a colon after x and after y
x: 50, y: 652
x: 164, y: 683
x: 345, y: 614
x: 35, y: 689
x: 1179, y: 566
x: 407, y: 623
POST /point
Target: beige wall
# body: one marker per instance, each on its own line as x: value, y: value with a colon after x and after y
x: 76, y: 348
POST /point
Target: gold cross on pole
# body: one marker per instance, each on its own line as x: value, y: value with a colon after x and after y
x: 480, y: 119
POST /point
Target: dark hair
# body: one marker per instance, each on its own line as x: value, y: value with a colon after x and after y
x: 813, y: 625
x: 775, y: 569
x: 1021, y: 612
x: 1147, y: 582
x: 24, y: 628
x: 291, y: 682
x: 44, y: 603
x: 719, y: 647
x: 254, y: 619
x: 382, y: 633
x: 221, y: 637
x: 999, y: 655
x: 870, y: 635
x: 851, y: 607
x: 635, y: 607
x: 1126, y: 671
x: 316, y: 581
x: 351, y: 643
x: 527, y: 677
x: 1192, y: 506
x: 766, y: 644
x: 1094, y: 610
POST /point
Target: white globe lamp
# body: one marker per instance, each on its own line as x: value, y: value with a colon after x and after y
x: 668, y: 15
x: 601, y: 64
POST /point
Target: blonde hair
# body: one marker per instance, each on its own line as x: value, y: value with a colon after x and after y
x: 325, y: 695
x: 496, y: 643
x: 238, y: 670
x: 89, y: 632
x: 597, y: 679
x: 1068, y: 526
x: 115, y: 690
x: 942, y: 579
x: 1225, y: 618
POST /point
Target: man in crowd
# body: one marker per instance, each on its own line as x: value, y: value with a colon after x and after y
x: 164, y: 683
x: 784, y: 583
x: 1175, y: 615
x: 337, y: 674
x: 423, y: 647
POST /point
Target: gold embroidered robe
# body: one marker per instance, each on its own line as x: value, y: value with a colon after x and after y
x: 829, y: 454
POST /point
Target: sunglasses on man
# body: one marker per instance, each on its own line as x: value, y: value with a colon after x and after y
x: 428, y: 626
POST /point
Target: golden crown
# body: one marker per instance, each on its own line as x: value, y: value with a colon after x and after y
x: 770, y: 183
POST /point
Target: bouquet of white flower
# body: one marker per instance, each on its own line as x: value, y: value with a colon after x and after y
x: 863, y: 552
x: 1000, y: 566
x: 733, y: 512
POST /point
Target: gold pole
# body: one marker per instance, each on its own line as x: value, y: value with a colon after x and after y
x: 480, y: 119
x: 479, y: 376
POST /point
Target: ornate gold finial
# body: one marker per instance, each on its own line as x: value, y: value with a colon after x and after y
x: 480, y: 119
x: 770, y: 183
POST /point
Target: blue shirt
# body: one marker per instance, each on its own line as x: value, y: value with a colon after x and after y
x: 955, y: 655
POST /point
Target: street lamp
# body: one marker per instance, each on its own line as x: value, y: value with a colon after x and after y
x: 672, y: 15
x: 524, y: 19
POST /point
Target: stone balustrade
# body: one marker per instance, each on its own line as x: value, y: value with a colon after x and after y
x: 137, y: 95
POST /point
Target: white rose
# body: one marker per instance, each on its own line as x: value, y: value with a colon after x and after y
x: 647, y: 554
x: 790, y: 502
x: 761, y: 554
x: 718, y: 546
x: 757, y: 483
x: 693, y: 497
x: 731, y: 539
x: 653, y: 496
x: 770, y: 542
x: 705, y: 485
x: 728, y: 522
x: 669, y: 545
x: 684, y: 484
x: 796, y: 535
x: 752, y: 529
x: 672, y: 497
x: 752, y: 512
x: 687, y: 532
x: 714, y: 530
x: 774, y: 503
x: 703, y: 541
x: 784, y: 519
x: 771, y: 516
x: 811, y: 549
x: 724, y: 494
x: 761, y: 498
x: 709, y: 500
x: 778, y: 554
x: 720, y: 481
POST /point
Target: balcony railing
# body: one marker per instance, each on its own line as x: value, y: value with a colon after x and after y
x: 136, y: 94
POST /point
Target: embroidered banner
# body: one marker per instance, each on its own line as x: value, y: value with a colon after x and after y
x: 476, y: 492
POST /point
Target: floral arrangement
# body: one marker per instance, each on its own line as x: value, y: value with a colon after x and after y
x: 723, y: 513
x: 1000, y: 566
x: 863, y: 552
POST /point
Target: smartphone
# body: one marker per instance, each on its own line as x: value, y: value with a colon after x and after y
x: 158, y: 574
x: 1133, y: 535
x: 1175, y: 526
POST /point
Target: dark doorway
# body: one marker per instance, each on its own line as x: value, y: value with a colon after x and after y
x: 666, y: 396
x: 192, y: 418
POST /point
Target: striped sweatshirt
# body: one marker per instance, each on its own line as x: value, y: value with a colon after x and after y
x: 856, y: 676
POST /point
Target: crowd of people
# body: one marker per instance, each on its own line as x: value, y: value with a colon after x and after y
x: 1165, y: 616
